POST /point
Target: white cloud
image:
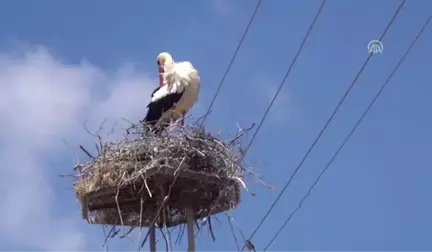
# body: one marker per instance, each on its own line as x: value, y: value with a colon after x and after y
x: 42, y: 101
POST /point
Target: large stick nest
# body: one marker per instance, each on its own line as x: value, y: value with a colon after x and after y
x: 152, y: 178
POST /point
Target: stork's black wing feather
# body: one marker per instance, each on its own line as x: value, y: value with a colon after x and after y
x: 158, y: 107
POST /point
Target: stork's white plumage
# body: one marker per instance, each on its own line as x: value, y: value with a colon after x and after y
x: 178, y: 91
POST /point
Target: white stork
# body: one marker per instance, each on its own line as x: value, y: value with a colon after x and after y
x: 179, y: 85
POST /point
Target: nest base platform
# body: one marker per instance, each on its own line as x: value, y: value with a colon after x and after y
x: 137, y: 203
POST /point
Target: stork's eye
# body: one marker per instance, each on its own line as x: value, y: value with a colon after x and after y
x: 158, y: 63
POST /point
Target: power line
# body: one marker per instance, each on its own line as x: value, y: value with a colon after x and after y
x: 350, y: 134
x: 232, y: 59
x: 282, y: 83
x: 326, y: 125
x: 285, y: 77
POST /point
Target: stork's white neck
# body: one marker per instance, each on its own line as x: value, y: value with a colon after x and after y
x: 168, y: 64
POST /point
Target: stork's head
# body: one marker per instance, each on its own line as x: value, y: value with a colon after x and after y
x: 165, y: 63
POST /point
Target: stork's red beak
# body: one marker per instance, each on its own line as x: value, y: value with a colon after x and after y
x: 161, y: 71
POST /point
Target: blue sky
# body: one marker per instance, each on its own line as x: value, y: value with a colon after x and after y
x: 62, y: 63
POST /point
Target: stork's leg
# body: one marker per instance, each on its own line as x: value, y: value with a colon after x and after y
x: 182, y: 120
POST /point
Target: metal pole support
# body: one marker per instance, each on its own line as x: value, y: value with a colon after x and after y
x: 152, y: 238
x: 190, y: 213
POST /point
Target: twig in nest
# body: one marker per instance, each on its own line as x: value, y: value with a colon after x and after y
x: 67, y: 175
x: 97, y: 134
x: 267, y: 185
x: 141, y: 214
x: 169, y: 239
x: 127, y: 233
x: 233, y: 233
x: 166, y: 241
x: 86, y: 152
x: 259, y: 179
x: 241, y: 182
x: 97, y: 148
x: 211, y: 230
x: 115, y: 232
x: 112, y: 129
x: 118, y: 207
x: 214, y: 217
x: 108, y: 236
x: 196, y: 224
x: 180, y: 234
x: 133, y: 126
x: 241, y: 132
x: 104, y: 233
x: 77, y: 166
x: 147, y: 187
